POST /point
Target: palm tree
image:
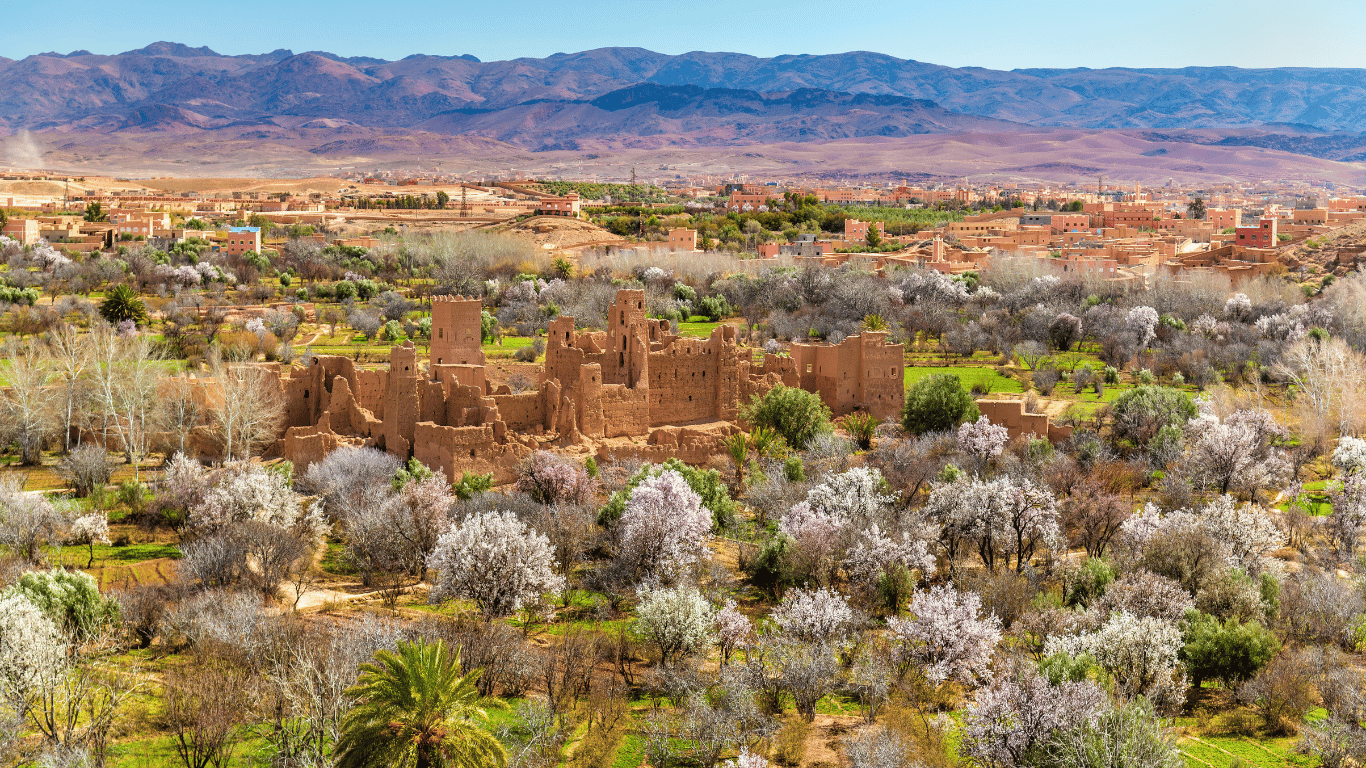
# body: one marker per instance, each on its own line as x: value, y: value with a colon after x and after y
x: 122, y: 303
x: 414, y: 708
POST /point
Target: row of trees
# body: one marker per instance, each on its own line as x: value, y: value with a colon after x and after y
x: 113, y: 388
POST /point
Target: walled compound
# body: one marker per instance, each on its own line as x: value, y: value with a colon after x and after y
x: 634, y: 390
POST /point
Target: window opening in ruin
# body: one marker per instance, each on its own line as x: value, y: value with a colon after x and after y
x: 305, y: 394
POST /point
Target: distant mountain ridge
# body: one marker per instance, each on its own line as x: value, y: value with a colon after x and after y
x: 573, y: 99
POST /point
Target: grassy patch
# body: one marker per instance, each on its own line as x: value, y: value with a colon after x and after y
x: 631, y: 753
x: 988, y: 378
x: 697, y: 327
x: 334, y: 561
x: 1221, y: 751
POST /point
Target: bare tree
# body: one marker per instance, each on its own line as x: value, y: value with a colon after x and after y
x: 27, y: 404
x: 135, y: 397
x: 179, y: 409
x: 249, y: 410
x: 71, y: 361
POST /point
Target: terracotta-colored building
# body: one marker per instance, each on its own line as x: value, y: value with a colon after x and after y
x: 239, y: 240
x: 559, y: 206
x: 1261, y: 236
x: 855, y: 230
x: 681, y: 239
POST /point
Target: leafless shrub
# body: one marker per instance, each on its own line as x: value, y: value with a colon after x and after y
x: 86, y: 468
x: 205, y: 704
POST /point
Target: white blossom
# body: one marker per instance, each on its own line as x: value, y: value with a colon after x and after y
x: 851, y: 496
x: 1350, y: 455
x: 733, y: 629
x: 1236, y: 453
x: 1246, y: 536
x: 982, y: 439
x: 947, y: 636
x: 32, y: 648
x: 815, y: 616
x: 1247, y: 531
x: 874, y: 553
x: 1140, y: 653
x: 1019, y: 713
x: 664, y: 528
x: 247, y: 491
x: 1142, y: 321
x: 89, y: 529
x: 496, y: 561
x: 1238, y: 306
x: 746, y: 759
x: 678, y: 620
x: 1004, y: 518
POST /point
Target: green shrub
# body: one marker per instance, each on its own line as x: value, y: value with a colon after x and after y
x: 706, y: 483
x: 343, y: 290
x: 1141, y: 412
x: 122, y: 303
x: 1087, y: 582
x: 793, y: 469
x: 1063, y: 667
x: 71, y: 599
x: 792, y: 412
x: 590, y: 464
x: 1229, y: 651
x: 937, y: 403
x: 771, y: 569
x: 861, y: 427
x: 713, y: 308
x: 471, y: 484
x: 413, y: 470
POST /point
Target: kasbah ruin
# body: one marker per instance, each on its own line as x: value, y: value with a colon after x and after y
x: 636, y: 390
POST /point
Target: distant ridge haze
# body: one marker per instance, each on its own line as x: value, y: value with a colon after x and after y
x: 49, y: 90
x: 174, y: 108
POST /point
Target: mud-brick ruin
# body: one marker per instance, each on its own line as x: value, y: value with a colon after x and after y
x: 634, y: 390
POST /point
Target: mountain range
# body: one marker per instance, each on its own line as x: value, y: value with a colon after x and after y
x: 635, y: 98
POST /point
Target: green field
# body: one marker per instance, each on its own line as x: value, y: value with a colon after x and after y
x: 989, y: 378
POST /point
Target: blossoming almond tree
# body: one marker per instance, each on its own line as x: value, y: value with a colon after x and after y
x: 664, y: 529
x: 494, y: 560
x: 947, y: 636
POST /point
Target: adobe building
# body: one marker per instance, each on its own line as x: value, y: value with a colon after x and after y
x: 861, y: 373
x: 636, y: 379
x: 242, y: 239
x: 855, y: 230
x: 681, y: 239
x: 567, y: 205
x: 1261, y: 236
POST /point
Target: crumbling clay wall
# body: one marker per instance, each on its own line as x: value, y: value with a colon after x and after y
x: 1011, y: 415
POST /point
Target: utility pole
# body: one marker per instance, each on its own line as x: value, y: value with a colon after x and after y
x: 464, y: 204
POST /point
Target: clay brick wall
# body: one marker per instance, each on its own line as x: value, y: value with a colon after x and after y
x: 625, y: 411
x: 616, y: 383
x: 882, y: 375
x: 456, y: 331
x: 683, y: 382
x: 1011, y: 415
x: 862, y: 372
x: 523, y: 412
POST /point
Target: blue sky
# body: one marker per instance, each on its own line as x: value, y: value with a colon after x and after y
x: 986, y: 33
